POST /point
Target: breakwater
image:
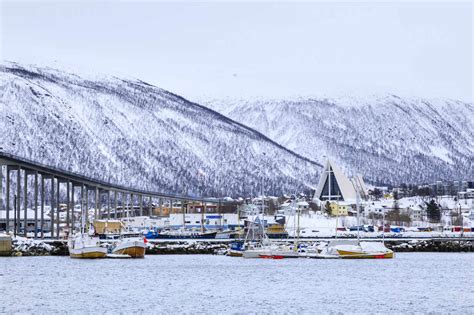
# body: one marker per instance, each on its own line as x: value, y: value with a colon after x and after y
x: 30, y: 247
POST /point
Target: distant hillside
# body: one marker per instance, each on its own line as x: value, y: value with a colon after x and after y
x: 134, y: 134
x: 388, y: 139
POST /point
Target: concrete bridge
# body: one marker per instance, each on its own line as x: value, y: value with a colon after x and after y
x: 19, y: 170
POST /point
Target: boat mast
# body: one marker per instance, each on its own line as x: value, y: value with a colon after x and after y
x: 263, y: 208
x: 262, y: 224
x: 203, y: 206
x: 83, y: 220
x: 383, y: 225
x: 295, y: 205
x: 357, y: 208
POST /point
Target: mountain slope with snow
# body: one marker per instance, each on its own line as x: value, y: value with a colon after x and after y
x: 137, y: 135
x: 388, y: 139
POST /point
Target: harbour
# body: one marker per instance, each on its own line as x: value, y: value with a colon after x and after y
x: 413, y: 282
x: 201, y: 157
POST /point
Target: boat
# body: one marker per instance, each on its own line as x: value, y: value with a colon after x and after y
x: 272, y: 250
x: 354, y: 249
x: 227, y: 234
x: 236, y: 249
x: 276, y: 230
x: 82, y: 245
x: 279, y: 252
x: 135, y: 247
x: 365, y: 250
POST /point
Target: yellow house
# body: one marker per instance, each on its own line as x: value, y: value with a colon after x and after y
x: 339, y: 209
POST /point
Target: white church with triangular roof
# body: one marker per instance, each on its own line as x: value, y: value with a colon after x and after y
x: 334, y: 185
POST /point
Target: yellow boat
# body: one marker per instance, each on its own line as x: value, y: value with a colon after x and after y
x: 347, y: 254
x: 134, y: 247
x: 364, y: 250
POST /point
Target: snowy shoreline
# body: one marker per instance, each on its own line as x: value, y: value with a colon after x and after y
x: 29, y: 247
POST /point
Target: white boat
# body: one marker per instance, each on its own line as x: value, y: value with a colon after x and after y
x: 134, y: 247
x: 272, y: 250
x: 81, y: 245
x: 354, y: 249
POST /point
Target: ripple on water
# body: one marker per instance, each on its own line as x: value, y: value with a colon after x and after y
x: 412, y: 282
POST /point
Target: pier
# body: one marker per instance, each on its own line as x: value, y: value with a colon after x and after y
x: 110, y: 201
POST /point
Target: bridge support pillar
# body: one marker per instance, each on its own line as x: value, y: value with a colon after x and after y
x: 52, y: 207
x: 42, y: 207
x: 58, y: 183
x: 68, y: 206
x: 116, y: 202
x: 35, y: 204
x: 1, y: 186
x: 150, y: 206
x: 108, y: 204
x: 17, y: 200
x: 7, y: 200
x: 25, y: 203
x: 96, y: 208
x: 140, y: 200
x: 73, y: 206
x: 87, y: 202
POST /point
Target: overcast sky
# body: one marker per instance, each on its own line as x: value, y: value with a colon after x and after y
x: 272, y: 50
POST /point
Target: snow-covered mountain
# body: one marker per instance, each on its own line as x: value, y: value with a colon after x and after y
x: 387, y: 139
x: 134, y: 134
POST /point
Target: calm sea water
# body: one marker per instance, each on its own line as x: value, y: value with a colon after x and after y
x: 412, y: 282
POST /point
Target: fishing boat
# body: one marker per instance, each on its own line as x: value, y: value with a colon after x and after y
x: 82, y: 245
x: 133, y: 246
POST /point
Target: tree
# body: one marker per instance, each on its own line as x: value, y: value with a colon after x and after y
x: 327, y: 208
x: 376, y: 193
x: 433, y: 212
x: 393, y: 216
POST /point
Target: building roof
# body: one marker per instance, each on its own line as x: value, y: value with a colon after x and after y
x: 345, y: 186
x: 30, y: 215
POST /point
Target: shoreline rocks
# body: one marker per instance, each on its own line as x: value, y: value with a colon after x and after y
x: 431, y: 246
x: 29, y: 247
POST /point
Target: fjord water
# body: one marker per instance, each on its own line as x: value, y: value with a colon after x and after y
x: 412, y: 282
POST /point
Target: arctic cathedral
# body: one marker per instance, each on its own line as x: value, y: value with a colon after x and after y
x: 335, y: 185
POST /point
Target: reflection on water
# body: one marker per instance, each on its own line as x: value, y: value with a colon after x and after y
x: 412, y: 282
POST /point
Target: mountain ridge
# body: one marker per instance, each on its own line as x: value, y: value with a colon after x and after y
x: 429, y: 139
x: 124, y: 128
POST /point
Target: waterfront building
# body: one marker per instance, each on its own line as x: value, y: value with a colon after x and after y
x: 30, y: 221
